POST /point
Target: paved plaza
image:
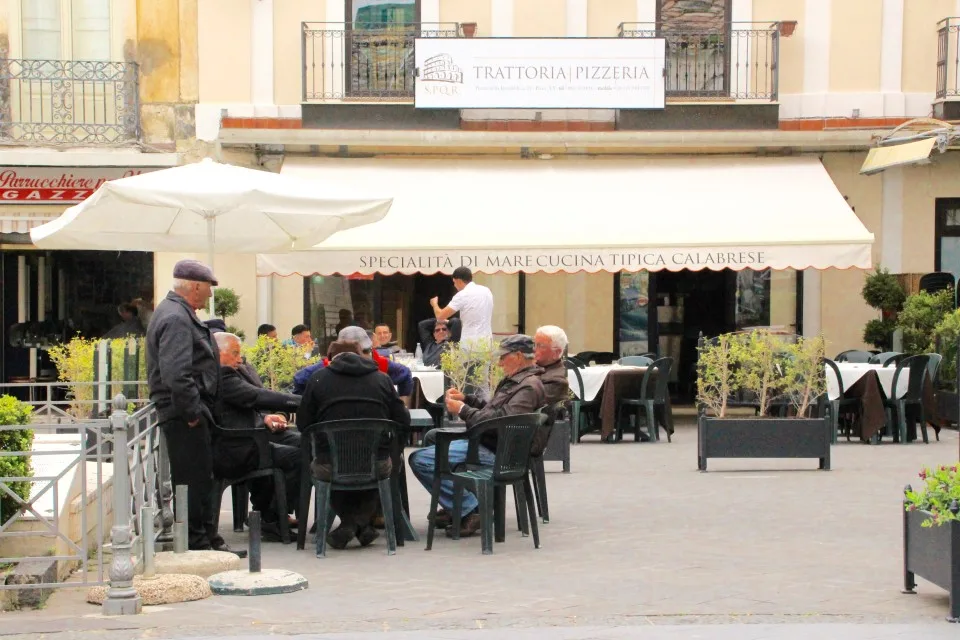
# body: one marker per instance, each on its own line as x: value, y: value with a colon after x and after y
x: 640, y: 544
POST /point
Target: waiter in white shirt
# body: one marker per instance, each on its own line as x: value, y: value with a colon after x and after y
x: 475, y: 304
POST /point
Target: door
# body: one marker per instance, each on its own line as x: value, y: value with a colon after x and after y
x: 379, y: 40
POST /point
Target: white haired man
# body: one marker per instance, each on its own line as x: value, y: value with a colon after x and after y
x: 549, y: 343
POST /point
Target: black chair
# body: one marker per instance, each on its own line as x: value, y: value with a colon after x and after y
x: 354, y: 447
x: 916, y: 367
x: 538, y: 474
x: 581, y: 410
x: 854, y: 355
x: 887, y: 357
x: 265, y: 469
x: 653, y: 394
x: 849, y: 407
x: 937, y: 281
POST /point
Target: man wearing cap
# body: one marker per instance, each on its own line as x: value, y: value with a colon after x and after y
x: 520, y: 391
x: 183, y: 372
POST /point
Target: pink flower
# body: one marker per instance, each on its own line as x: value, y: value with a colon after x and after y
x: 923, y: 474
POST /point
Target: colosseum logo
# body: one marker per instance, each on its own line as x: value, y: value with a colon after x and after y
x: 441, y: 76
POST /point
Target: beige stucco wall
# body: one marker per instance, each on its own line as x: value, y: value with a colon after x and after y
x: 922, y: 185
x: 604, y: 16
x: 791, y: 49
x: 855, y: 45
x: 580, y: 303
x: 540, y: 18
x: 287, y: 304
x: 505, y: 288
x: 920, y: 42
x: 224, y: 46
x: 478, y: 11
x: 287, y: 72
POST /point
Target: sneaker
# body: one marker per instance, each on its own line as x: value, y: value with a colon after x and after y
x: 367, y: 535
x: 468, y: 526
x: 340, y: 537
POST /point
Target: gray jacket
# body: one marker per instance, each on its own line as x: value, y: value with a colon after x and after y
x: 183, y: 362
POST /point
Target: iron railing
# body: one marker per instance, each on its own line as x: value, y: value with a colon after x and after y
x: 948, y: 58
x: 363, y: 62
x: 68, y: 102
x: 740, y: 62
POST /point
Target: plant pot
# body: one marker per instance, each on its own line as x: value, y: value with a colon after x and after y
x: 763, y: 438
x: 469, y: 29
x: 948, y: 406
x: 933, y: 554
x: 787, y: 27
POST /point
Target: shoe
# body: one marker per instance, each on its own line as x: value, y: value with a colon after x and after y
x: 367, y: 535
x: 270, y: 532
x: 442, y: 520
x: 223, y: 546
x: 340, y: 537
x: 468, y: 526
x: 292, y: 522
x: 378, y: 522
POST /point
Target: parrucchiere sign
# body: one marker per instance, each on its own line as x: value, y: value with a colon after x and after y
x: 57, y: 185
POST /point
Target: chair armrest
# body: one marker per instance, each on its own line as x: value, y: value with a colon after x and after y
x: 444, y: 436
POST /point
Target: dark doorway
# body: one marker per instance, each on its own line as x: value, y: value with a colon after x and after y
x: 424, y: 288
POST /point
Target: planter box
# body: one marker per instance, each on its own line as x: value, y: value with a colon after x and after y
x: 934, y: 555
x: 763, y: 438
x: 948, y: 407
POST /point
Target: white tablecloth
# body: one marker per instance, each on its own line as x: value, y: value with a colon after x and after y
x: 593, y: 378
x: 431, y: 382
x: 853, y: 371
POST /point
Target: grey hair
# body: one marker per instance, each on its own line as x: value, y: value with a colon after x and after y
x: 558, y: 337
x: 180, y: 284
x: 224, y: 339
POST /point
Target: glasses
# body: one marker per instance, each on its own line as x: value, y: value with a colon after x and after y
x: 541, y: 345
x: 440, y: 330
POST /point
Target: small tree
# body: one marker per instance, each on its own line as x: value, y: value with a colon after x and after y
x: 882, y: 291
x: 921, y: 314
x: 945, y: 337
x: 74, y: 362
x: 455, y: 364
x: 485, y: 372
x: 804, y: 375
x: 759, y: 356
x: 276, y: 363
x: 14, y: 412
x: 226, y: 302
x: 716, y: 378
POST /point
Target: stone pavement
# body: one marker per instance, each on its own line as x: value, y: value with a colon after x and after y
x: 638, y: 539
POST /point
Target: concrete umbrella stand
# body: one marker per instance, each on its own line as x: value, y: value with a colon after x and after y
x: 256, y: 581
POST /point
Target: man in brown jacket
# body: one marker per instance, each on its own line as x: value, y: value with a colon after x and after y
x: 521, y: 391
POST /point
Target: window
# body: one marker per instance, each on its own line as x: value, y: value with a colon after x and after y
x: 380, y: 41
x: 698, y: 46
x: 65, y: 29
x: 947, y: 236
x: 766, y: 298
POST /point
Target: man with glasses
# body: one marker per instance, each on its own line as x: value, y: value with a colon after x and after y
x: 435, y: 337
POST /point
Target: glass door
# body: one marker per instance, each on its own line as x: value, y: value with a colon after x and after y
x: 379, y: 40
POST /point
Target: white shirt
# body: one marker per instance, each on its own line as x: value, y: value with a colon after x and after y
x: 475, y: 304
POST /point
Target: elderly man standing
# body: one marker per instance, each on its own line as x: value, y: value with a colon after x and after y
x: 183, y: 372
x: 520, y: 391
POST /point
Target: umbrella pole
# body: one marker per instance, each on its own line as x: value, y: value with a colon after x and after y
x: 211, y: 228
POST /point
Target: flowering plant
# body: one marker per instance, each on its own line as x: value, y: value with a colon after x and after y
x: 940, y: 489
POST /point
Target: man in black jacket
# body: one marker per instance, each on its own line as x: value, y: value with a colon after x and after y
x: 242, y: 407
x: 183, y: 373
x: 435, y: 337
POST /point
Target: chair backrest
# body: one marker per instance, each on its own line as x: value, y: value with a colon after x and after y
x: 832, y: 366
x: 580, y: 364
x: 514, y: 442
x: 917, y: 366
x: 604, y: 357
x: 662, y: 366
x: 885, y: 358
x: 586, y: 357
x: 354, y: 447
x: 936, y: 281
x: 635, y: 361
x: 573, y: 366
x: 933, y: 365
x: 854, y: 355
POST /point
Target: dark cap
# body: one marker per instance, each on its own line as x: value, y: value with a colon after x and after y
x: 216, y: 325
x: 356, y: 334
x: 516, y: 344
x: 194, y: 270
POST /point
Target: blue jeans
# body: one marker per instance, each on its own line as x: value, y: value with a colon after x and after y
x: 423, y: 461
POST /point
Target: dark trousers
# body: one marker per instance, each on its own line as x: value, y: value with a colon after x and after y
x: 355, y: 509
x: 237, y: 457
x: 191, y: 463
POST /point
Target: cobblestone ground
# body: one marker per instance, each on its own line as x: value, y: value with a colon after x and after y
x: 637, y: 538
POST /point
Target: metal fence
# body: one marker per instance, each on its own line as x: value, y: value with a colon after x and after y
x: 948, y: 58
x: 68, y: 102
x: 111, y: 545
x: 737, y: 63
x: 344, y: 61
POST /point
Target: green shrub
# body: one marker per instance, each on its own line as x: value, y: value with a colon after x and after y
x: 276, y: 363
x: 74, y: 362
x: 226, y: 302
x: 13, y: 412
x: 879, y: 333
x: 941, y: 486
x: 883, y: 291
x: 945, y: 337
x: 921, y: 314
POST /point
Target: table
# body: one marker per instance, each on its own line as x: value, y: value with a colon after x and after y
x: 611, y: 382
x: 420, y: 419
x: 431, y: 383
x: 851, y: 372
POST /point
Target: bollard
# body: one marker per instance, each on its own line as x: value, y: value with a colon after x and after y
x: 147, y: 541
x: 181, y: 509
x: 254, y: 542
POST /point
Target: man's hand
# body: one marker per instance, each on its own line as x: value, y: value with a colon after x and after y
x: 435, y: 302
x: 455, y: 394
x: 454, y: 406
x: 193, y: 423
x: 275, y: 422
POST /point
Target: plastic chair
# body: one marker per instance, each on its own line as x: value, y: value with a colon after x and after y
x: 265, y: 469
x: 839, y: 405
x: 854, y: 355
x: 887, y: 358
x: 537, y: 472
x: 648, y: 401
x: 581, y: 410
x: 635, y: 361
x: 916, y: 367
x: 511, y: 468
x: 933, y: 370
x: 354, y: 456
x: 937, y: 281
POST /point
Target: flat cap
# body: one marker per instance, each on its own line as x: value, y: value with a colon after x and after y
x: 216, y: 325
x: 356, y: 334
x: 194, y: 270
x: 519, y: 343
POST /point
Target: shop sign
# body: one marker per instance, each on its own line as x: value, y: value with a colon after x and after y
x: 540, y: 73
x: 56, y: 185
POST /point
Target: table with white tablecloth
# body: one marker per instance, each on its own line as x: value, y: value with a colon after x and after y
x: 607, y: 383
x: 851, y: 372
x: 431, y: 382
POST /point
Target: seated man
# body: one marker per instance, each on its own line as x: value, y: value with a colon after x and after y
x: 130, y: 324
x: 435, y: 337
x: 267, y: 330
x: 301, y: 336
x: 242, y: 407
x: 351, y: 386
x: 386, y: 345
x: 400, y: 374
x: 549, y: 343
x: 520, y: 391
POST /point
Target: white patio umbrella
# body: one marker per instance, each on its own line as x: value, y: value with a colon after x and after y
x: 208, y: 206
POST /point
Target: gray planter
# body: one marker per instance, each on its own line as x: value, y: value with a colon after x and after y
x: 558, y: 446
x: 933, y: 554
x: 763, y: 438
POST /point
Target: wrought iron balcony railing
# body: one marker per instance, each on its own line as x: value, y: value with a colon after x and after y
x: 948, y: 58
x: 68, y: 102
x: 363, y: 61
x: 740, y: 62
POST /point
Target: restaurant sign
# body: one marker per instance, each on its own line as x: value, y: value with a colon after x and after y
x: 56, y: 185
x: 540, y: 73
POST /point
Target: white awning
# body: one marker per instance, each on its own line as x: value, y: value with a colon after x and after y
x: 880, y: 158
x: 585, y: 215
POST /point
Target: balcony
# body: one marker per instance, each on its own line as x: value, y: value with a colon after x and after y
x: 354, y: 62
x: 68, y: 102
x: 738, y: 63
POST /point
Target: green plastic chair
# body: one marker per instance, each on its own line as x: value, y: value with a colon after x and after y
x: 648, y: 401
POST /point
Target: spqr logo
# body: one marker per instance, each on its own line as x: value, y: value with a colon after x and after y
x: 440, y: 68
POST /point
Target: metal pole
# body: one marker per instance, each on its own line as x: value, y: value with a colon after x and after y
x: 147, y: 540
x: 180, y: 520
x: 254, y: 542
x: 122, y: 598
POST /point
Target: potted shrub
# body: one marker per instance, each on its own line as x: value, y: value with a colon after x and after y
x: 14, y: 412
x: 226, y: 304
x: 945, y: 337
x: 276, y: 363
x: 882, y: 291
x: 774, y: 373
x: 931, y: 534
